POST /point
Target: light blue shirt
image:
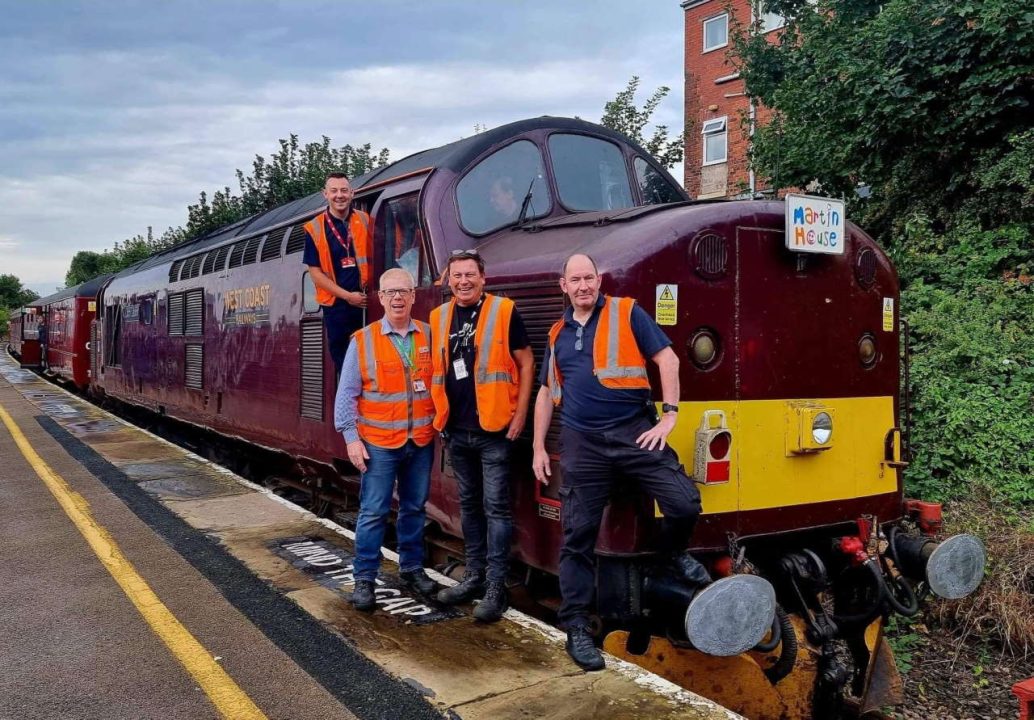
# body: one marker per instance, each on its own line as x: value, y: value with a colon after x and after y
x: 346, y: 402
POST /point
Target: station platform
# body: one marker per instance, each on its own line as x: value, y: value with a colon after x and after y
x: 139, y: 580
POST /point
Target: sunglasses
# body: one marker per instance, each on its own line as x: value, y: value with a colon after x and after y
x: 396, y: 292
x: 472, y: 253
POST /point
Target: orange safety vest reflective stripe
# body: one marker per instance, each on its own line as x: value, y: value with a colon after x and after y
x: 616, y: 359
x: 391, y: 409
x: 359, y: 225
x: 495, y: 373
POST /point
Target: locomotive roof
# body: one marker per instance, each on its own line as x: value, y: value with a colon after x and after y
x: 453, y: 156
x: 86, y: 289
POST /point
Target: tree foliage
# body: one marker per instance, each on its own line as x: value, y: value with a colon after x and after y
x: 13, y: 294
x: 293, y: 172
x: 621, y: 114
x: 929, y: 105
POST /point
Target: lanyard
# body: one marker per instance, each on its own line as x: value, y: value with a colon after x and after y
x: 333, y: 228
x: 405, y: 348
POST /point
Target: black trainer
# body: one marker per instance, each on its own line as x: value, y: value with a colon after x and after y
x: 471, y: 586
x: 418, y: 581
x: 582, y: 649
x: 690, y: 570
x: 362, y: 596
x: 494, y: 604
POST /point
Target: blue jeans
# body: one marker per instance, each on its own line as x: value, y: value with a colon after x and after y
x: 411, y: 465
x: 482, y: 464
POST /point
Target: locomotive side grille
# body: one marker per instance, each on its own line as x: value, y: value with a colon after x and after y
x: 710, y: 255
x: 237, y: 255
x: 209, y: 264
x: 251, y: 251
x: 195, y: 323
x: 192, y: 268
x: 312, y: 369
x: 174, y: 271
x: 296, y: 241
x: 271, y: 248
x: 865, y: 267
x: 194, y: 367
x: 220, y: 258
x: 176, y: 314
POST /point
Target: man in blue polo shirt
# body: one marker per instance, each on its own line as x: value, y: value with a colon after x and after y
x: 595, y: 370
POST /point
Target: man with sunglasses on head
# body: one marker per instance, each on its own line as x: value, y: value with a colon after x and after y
x: 385, y: 412
x: 483, y: 371
x: 594, y: 369
x: 337, y: 250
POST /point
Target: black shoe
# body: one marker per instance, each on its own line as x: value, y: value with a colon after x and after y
x: 417, y: 581
x: 362, y: 596
x: 582, y: 649
x: 494, y: 604
x: 689, y: 569
x: 471, y: 586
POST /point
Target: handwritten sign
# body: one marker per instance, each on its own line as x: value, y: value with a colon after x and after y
x: 815, y: 224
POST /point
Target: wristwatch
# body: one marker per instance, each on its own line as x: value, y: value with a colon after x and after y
x: 666, y: 408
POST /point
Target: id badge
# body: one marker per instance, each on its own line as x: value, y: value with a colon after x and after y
x: 347, y: 262
x: 459, y: 367
x: 419, y: 385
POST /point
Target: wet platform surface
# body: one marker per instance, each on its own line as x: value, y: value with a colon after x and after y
x: 262, y: 583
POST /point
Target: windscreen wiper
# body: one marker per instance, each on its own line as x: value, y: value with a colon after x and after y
x: 525, y: 204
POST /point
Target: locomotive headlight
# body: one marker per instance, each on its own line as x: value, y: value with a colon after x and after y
x: 867, y: 350
x: 704, y: 348
x: 821, y: 428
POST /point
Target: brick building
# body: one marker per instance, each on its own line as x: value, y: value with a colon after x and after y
x: 719, y: 117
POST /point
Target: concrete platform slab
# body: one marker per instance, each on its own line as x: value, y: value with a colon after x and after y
x: 249, y: 510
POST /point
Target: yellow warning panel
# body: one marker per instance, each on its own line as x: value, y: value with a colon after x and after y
x: 888, y: 314
x: 667, y: 304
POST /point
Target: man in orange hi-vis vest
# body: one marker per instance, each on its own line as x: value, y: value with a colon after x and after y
x: 337, y: 253
x: 483, y: 371
x: 594, y: 369
x: 384, y: 410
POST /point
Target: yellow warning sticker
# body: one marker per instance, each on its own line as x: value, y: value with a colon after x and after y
x: 888, y: 314
x: 667, y: 304
x: 91, y: 306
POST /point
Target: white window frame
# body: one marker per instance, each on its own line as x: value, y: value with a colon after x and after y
x: 762, y: 16
x: 724, y: 17
x: 712, y: 127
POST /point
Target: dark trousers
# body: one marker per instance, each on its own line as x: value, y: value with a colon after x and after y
x: 340, y: 320
x: 590, y: 464
x: 482, y: 464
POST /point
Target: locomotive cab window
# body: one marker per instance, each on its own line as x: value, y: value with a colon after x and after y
x: 590, y: 173
x: 655, y: 189
x: 309, y: 303
x: 490, y: 195
x: 399, y: 237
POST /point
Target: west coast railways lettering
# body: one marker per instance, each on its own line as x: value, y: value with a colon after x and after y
x: 246, y: 306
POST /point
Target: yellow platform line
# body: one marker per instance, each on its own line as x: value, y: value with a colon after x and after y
x: 225, y: 694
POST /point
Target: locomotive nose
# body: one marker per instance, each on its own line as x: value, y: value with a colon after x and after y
x: 731, y: 615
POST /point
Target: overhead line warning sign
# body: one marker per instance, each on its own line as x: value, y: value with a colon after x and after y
x: 667, y: 309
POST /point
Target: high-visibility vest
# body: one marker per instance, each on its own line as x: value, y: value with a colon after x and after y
x: 616, y: 359
x: 359, y: 227
x: 495, y: 372
x: 391, y: 409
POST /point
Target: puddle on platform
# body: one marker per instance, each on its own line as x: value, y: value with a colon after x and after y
x: 187, y: 486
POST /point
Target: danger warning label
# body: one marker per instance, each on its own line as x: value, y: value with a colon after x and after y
x: 667, y: 309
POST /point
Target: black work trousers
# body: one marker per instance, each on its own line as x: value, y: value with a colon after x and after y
x: 591, y: 463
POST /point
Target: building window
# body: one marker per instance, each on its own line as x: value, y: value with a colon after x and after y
x: 716, y: 33
x: 716, y: 138
x: 768, y: 21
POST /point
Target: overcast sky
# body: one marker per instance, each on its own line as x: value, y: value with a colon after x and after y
x: 114, y: 115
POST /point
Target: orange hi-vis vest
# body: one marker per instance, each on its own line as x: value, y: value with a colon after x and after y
x: 495, y: 372
x: 616, y: 360
x: 359, y: 227
x: 391, y: 408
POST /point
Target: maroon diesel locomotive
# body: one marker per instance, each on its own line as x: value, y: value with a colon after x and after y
x: 787, y: 332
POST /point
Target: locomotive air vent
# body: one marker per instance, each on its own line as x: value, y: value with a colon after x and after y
x: 312, y: 369
x: 220, y: 258
x: 195, y: 324
x: 296, y: 242
x: 191, y: 268
x: 271, y: 248
x: 251, y: 250
x: 175, y: 313
x: 865, y: 267
x: 209, y: 264
x: 194, y: 367
x: 174, y: 271
x: 237, y: 255
x: 709, y: 255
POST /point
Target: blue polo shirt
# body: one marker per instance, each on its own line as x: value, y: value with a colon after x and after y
x: 347, y: 278
x: 587, y: 405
